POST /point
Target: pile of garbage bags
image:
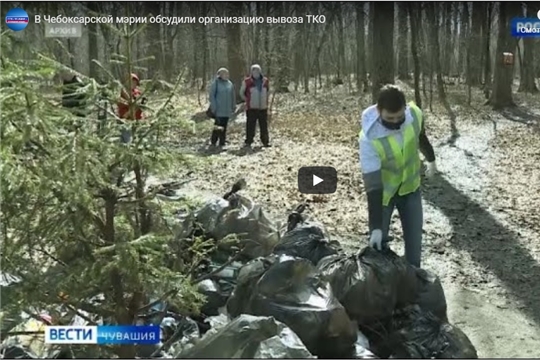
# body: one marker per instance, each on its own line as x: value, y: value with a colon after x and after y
x: 293, y: 293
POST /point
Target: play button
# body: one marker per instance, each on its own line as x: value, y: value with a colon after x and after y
x: 317, y: 180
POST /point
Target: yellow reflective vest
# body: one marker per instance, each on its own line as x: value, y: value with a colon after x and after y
x: 400, y: 167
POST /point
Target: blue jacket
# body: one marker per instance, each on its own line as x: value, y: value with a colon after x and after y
x: 222, y: 98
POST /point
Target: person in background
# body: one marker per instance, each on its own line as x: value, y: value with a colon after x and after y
x: 73, y: 96
x: 254, y: 91
x: 222, y: 105
x: 124, y: 111
x: 392, y: 134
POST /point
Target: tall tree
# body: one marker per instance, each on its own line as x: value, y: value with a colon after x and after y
x: 93, y: 50
x: 383, y: 47
x: 446, y: 37
x: 478, y: 13
x: 527, y: 81
x: 486, y: 46
x: 413, y: 9
x: 361, y: 77
x: 501, y: 95
x: 341, y: 41
x: 235, y: 58
x: 402, y: 51
x: 371, y: 12
x: 281, y: 77
x: 432, y: 12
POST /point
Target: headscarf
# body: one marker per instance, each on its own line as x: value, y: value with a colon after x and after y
x: 221, y: 70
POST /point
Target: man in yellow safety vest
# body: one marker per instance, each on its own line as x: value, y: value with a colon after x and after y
x: 392, y: 134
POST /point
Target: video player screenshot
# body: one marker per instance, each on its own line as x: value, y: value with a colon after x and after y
x: 269, y: 179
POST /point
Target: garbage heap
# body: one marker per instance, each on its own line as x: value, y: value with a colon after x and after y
x: 290, y: 292
x: 300, y: 295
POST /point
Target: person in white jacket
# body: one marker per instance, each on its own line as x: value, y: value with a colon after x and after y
x: 392, y: 135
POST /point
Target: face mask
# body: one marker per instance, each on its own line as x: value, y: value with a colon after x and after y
x: 392, y: 125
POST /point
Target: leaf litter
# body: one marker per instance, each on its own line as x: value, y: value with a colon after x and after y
x: 482, y: 225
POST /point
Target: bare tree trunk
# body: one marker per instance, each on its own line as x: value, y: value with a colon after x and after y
x: 470, y: 44
x: 446, y: 38
x: 383, y: 47
x: 501, y: 95
x: 527, y: 82
x: 361, y: 78
x: 487, y: 50
x: 235, y: 58
x: 257, y: 29
x: 93, y: 49
x: 370, y: 38
x: 454, y: 70
x: 414, y: 19
x: 478, y: 12
x: 432, y: 12
x: 298, y: 49
x: 306, y: 61
x: 203, y: 46
x: 341, y: 44
x: 402, y: 51
x: 281, y: 78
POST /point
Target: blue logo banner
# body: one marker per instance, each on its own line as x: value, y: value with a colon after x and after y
x: 116, y: 335
x: 525, y: 27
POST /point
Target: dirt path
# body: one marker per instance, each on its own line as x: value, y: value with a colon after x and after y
x: 482, y: 229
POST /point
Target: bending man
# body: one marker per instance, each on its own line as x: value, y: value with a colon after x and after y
x: 392, y: 133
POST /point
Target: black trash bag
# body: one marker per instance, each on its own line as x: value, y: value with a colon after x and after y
x: 307, y: 240
x: 248, y: 276
x: 239, y: 215
x: 249, y: 336
x: 418, y: 334
x: 361, y: 348
x: 430, y: 295
x: 371, y: 284
x: 214, y: 297
x: 15, y: 352
x: 291, y: 292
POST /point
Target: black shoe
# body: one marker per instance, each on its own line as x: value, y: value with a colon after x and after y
x: 267, y: 145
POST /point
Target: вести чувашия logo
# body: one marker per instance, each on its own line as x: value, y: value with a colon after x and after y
x: 17, y: 19
x: 525, y: 27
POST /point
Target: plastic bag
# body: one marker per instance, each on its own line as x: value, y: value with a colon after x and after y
x: 33, y: 342
x: 239, y: 215
x: 371, y: 284
x: 420, y: 334
x: 249, y: 274
x: 431, y: 294
x: 249, y: 337
x: 290, y: 291
x: 361, y: 348
x: 307, y: 240
x: 214, y: 297
x: 15, y: 352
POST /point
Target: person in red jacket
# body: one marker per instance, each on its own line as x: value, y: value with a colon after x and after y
x: 123, y: 106
x: 254, y: 91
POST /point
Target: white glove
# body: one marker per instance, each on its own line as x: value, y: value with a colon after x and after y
x: 375, y: 240
x: 431, y: 169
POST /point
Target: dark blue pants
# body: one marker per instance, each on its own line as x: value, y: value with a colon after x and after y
x: 412, y: 218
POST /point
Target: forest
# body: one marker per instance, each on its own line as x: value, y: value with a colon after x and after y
x: 84, y: 218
